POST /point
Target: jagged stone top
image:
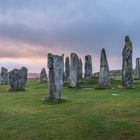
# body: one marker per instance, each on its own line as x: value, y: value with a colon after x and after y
x: 138, y: 58
x: 16, y: 69
x: 3, y: 69
x: 127, y: 39
x: 43, y: 70
x: 74, y: 54
x: 52, y: 55
x: 103, y: 59
x: 128, y: 43
x: 88, y: 56
x: 51, y: 58
x: 67, y: 59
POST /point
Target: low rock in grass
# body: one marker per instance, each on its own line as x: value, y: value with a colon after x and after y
x: 43, y: 76
x: 18, y: 79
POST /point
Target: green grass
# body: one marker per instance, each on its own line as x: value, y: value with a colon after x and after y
x: 83, y: 114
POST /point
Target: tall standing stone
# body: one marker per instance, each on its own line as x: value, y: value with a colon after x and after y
x: 4, y: 76
x: 88, y: 66
x: 43, y: 76
x: 56, y: 72
x: 104, y: 75
x: 74, y: 70
x: 138, y: 68
x: 18, y: 79
x: 67, y: 69
x: 80, y: 68
x: 127, y: 80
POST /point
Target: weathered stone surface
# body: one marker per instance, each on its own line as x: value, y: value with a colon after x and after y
x: 56, y: 72
x: 88, y: 66
x: 74, y: 70
x: 67, y: 69
x: 4, y: 76
x: 18, y: 79
x: 127, y: 80
x: 137, y: 68
x: 80, y: 68
x: 104, y: 75
x: 43, y: 76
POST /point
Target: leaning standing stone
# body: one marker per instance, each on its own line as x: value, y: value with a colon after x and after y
x: 127, y: 80
x: 43, y: 76
x: 138, y: 68
x: 88, y: 66
x: 74, y: 70
x: 56, y: 72
x: 4, y: 76
x: 18, y: 79
x: 104, y: 75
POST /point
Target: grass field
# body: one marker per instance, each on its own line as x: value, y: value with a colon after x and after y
x: 83, y: 114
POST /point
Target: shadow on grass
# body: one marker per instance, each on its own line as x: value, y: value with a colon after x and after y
x: 54, y: 102
x: 102, y: 88
x: 16, y: 90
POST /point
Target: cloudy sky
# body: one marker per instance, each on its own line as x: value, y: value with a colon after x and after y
x: 29, y: 29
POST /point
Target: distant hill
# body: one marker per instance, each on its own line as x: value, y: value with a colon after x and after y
x: 33, y: 76
x: 114, y: 73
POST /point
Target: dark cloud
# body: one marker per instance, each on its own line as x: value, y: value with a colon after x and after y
x: 76, y: 25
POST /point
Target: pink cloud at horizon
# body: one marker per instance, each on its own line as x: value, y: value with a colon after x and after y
x: 35, y: 60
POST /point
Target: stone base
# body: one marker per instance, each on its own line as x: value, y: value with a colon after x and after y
x: 4, y: 84
x: 131, y: 87
x: 50, y: 101
x: 73, y: 87
x: 43, y: 82
x: 136, y: 78
x: 17, y: 90
x: 99, y: 87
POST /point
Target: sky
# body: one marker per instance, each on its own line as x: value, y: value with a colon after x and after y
x: 30, y: 29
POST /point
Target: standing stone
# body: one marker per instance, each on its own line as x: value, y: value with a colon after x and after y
x: 4, y: 76
x: 88, y: 66
x: 80, y: 68
x: 43, y: 76
x: 67, y: 69
x: 127, y: 80
x: 18, y: 79
x: 74, y: 70
x: 56, y: 72
x: 138, y: 68
x: 104, y: 75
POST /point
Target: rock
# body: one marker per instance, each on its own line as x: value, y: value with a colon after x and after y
x: 4, y: 76
x: 127, y: 80
x: 56, y: 71
x: 88, y: 66
x: 67, y: 69
x: 43, y: 76
x: 18, y: 79
x: 96, y: 75
x: 138, y: 68
x: 74, y: 70
x: 104, y: 75
x: 80, y: 68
